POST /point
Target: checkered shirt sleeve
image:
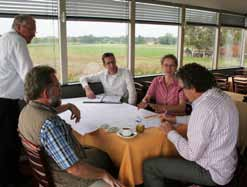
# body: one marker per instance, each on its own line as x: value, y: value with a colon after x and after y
x: 54, y: 137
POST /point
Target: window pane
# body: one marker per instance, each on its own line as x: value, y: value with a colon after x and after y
x: 44, y: 46
x: 245, y: 51
x: 230, y: 47
x: 153, y: 42
x: 199, y: 45
x: 87, y: 41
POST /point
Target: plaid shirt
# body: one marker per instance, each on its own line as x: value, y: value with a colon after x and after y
x: 56, y: 139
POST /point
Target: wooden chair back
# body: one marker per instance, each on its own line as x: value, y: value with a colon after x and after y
x: 37, y: 162
x: 222, y: 81
x: 239, y: 83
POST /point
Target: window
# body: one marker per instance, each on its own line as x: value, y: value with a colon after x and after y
x: 5, y: 25
x: 230, y: 47
x: 153, y: 42
x: 44, y: 47
x: 245, y: 51
x: 199, y: 45
x: 156, y: 35
x: 87, y: 41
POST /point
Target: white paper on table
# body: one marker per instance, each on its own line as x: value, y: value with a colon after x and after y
x: 102, y: 98
x: 98, y: 99
x: 111, y: 99
x: 115, y: 115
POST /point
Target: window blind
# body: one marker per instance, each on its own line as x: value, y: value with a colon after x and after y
x: 157, y: 13
x: 98, y: 9
x: 202, y: 17
x: 232, y: 20
x: 45, y: 8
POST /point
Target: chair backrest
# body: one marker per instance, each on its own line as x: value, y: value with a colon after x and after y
x: 221, y: 80
x: 240, y: 84
x: 140, y: 92
x: 38, y: 163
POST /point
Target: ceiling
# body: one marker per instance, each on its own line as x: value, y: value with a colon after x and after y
x: 238, y: 6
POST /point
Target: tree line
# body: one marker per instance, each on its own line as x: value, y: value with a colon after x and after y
x: 167, y: 39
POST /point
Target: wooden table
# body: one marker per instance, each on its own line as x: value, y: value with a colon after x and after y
x: 129, y: 154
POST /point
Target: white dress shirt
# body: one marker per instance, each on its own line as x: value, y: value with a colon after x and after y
x: 119, y: 84
x: 15, y: 62
x: 212, y: 135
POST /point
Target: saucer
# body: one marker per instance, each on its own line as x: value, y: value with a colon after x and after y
x: 127, y: 137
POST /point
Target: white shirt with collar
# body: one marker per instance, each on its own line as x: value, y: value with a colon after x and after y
x: 119, y: 84
x: 212, y: 135
x: 15, y: 62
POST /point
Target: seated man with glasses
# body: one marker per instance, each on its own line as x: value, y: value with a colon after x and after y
x: 166, y: 92
x: 71, y: 166
x: 116, y: 81
x: 208, y: 155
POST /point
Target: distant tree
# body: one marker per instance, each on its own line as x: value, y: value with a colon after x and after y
x: 199, y: 37
x: 168, y: 39
x: 230, y: 35
x: 140, y: 39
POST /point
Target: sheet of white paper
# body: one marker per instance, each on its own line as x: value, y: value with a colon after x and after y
x: 94, y: 115
x: 113, y: 99
x: 98, y: 99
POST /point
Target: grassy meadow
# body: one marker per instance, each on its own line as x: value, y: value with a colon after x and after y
x: 86, y: 58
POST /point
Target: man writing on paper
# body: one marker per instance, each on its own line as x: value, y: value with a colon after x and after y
x: 209, y: 152
x: 39, y: 123
x: 116, y: 81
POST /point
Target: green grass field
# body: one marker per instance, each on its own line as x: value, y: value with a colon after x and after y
x: 86, y: 58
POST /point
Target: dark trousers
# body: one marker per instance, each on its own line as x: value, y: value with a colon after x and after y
x: 165, y: 172
x: 9, y: 142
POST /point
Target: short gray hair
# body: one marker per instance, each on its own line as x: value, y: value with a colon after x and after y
x: 20, y: 20
x: 38, y: 79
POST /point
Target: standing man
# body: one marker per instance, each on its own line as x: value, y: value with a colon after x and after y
x: 15, y: 62
x: 116, y: 81
x: 209, y: 152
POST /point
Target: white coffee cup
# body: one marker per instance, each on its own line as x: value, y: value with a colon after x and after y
x: 126, y: 131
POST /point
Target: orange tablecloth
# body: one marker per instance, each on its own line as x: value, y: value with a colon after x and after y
x: 129, y: 154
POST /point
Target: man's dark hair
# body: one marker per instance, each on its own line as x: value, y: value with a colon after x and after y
x: 196, y: 76
x: 171, y: 56
x: 105, y: 55
x: 38, y: 79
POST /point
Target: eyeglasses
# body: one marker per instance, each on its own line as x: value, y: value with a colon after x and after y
x: 170, y: 65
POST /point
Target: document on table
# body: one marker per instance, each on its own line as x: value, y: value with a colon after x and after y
x: 94, y: 115
x: 102, y: 98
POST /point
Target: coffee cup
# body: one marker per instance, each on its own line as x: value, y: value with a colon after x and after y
x: 126, y: 132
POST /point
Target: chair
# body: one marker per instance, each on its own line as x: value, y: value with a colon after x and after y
x: 37, y: 162
x: 140, y: 92
x: 241, y: 72
x: 146, y: 85
x: 239, y: 83
x: 221, y: 80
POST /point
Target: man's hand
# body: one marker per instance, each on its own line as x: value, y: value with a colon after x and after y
x: 75, y: 112
x: 164, y: 118
x: 89, y: 93
x: 111, y: 181
x: 158, y: 108
x: 166, y: 127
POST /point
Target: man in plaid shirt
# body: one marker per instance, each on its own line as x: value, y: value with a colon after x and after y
x: 40, y: 124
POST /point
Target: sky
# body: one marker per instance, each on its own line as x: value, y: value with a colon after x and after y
x: 75, y: 28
